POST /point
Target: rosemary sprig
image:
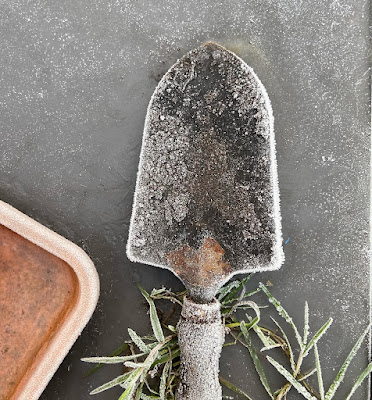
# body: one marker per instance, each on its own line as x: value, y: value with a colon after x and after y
x: 152, y: 372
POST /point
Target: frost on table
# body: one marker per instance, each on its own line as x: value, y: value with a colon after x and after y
x: 206, y: 204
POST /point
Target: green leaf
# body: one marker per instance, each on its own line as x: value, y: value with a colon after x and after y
x: 145, y: 397
x: 155, y: 323
x: 256, y: 360
x: 317, y: 336
x: 225, y: 290
x: 266, y: 340
x: 114, y: 382
x: 287, y: 375
x: 132, y: 383
x: 252, y: 323
x: 232, y: 387
x: 340, y: 376
x: 134, y: 365
x: 139, y: 391
x: 360, y: 380
x: 111, y: 360
x: 168, y: 356
x: 306, y: 323
x: 116, y: 352
x: 319, y: 372
x: 139, y: 374
x: 307, y: 375
x: 255, y: 308
x: 151, y: 390
x: 244, y: 304
x: 138, y: 341
x: 282, y: 312
x: 291, y: 355
x: 230, y: 297
x: 128, y: 393
x: 273, y: 346
x: 156, y: 292
x: 163, y: 381
x: 249, y: 294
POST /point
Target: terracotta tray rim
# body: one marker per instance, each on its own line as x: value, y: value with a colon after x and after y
x: 78, y: 317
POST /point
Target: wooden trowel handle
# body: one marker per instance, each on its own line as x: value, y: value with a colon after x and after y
x: 201, y: 336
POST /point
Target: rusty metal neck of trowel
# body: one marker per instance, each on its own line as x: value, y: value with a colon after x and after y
x: 207, y: 203
x: 200, y: 266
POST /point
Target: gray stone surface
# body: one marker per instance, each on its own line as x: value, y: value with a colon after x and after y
x: 76, y: 78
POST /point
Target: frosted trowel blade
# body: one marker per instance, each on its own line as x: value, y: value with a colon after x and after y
x: 206, y: 204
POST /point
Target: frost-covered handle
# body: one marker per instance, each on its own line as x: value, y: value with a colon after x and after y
x: 201, y: 336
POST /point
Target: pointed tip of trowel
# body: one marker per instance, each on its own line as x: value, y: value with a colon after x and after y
x: 211, y: 43
x: 213, y: 46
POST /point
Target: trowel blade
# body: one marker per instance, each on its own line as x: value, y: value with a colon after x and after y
x: 206, y: 203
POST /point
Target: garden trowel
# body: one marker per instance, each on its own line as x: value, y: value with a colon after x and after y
x: 206, y: 204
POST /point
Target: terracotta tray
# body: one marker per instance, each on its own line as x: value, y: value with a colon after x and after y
x: 48, y: 291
